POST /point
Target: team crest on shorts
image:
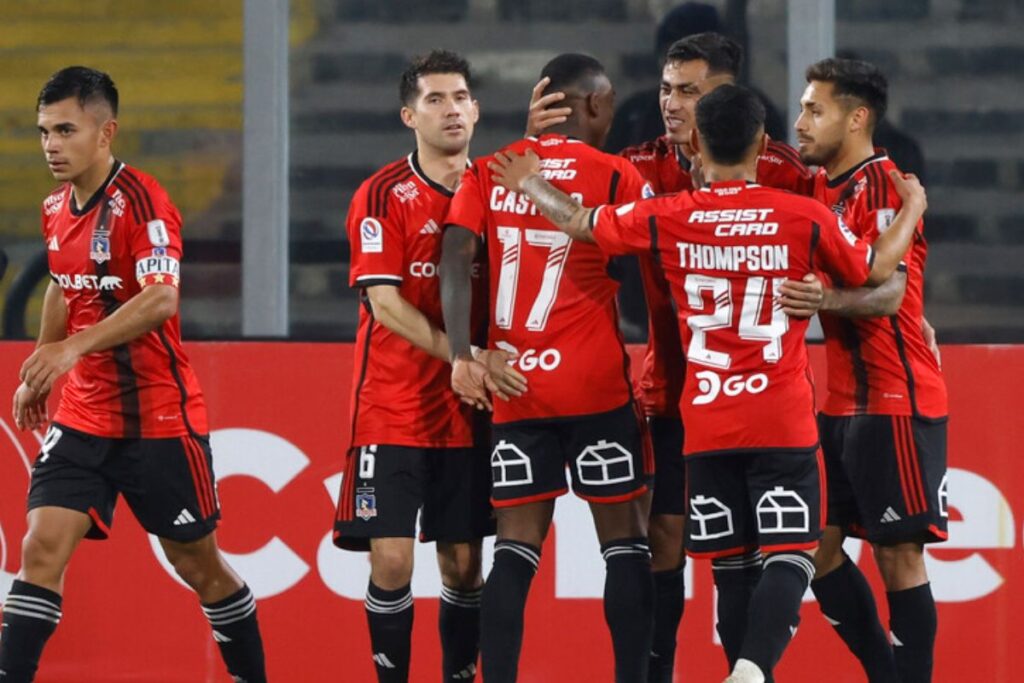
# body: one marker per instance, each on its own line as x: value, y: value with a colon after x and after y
x: 366, y: 504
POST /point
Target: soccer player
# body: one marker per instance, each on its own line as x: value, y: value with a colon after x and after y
x: 553, y: 304
x: 753, y: 477
x: 412, y: 438
x: 694, y: 66
x: 883, y: 427
x: 131, y: 419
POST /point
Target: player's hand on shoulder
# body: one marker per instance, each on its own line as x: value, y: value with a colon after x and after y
x: 801, y: 298
x: 540, y: 116
x: 510, y: 169
x: 910, y: 189
x: 29, y: 409
x: 46, y: 364
x: 469, y: 382
x: 508, y: 381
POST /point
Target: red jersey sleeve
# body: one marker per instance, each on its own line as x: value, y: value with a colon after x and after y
x: 840, y: 253
x: 621, y: 229
x: 467, y: 208
x: 156, y: 243
x: 376, y: 240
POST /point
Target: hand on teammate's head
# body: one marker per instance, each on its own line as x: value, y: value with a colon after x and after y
x: 540, y: 115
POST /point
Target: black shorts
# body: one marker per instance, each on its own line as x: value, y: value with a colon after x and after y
x: 770, y: 500
x: 886, y: 477
x: 669, y: 466
x: 384, y: 487
x: 608, y: 456
x: 167, y: 483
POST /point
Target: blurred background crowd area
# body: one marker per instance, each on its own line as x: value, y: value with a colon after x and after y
x: 956, y: 117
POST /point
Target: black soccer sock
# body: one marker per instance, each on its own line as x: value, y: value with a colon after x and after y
x: 237, y: 634
x: 501, y: 610
x: 459, y: 624
x: 629, y: 606
x: 389, y: 614
x: 669, y: 602
x: 774, y: 611
x: 847, y: 603
x: 913, y: 622
x: 31, y: 615
x: 736, y: 579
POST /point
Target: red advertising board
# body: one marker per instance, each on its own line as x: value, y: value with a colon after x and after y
x: 279, y: 412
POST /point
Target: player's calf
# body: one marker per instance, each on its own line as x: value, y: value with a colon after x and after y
x: 31, y: 615
x: 629, y: 605
x: 736, y: 577
x: 913, y: 619
x: 389, y: 607
x: 459, y: 613
x: 227, y: 602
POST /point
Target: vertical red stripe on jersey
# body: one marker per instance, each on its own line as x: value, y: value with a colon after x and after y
x: 193, y: 467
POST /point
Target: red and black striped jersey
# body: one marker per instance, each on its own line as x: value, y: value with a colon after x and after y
x: 552, y: 299
x: 125, y: 238
x: 725, y: 251
x: 400, y: 394
x: 662, y: 164
x: 879, y: 366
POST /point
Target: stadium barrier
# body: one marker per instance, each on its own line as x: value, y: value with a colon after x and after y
x: 279, y: 412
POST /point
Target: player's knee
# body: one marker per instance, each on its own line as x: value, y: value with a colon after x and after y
x: 460, y: 566
x: 391, y: 567
x: 901, y: 565
x: 665, y: 535
x: 43, y: 556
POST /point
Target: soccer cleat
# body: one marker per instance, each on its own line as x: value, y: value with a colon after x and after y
x: 745, y: 671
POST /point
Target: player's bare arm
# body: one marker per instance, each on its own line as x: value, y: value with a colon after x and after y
x: 470, y: 378
x: 143, y: 313
x: 392, y: 310
x: 931, y: 340
x: 803, y: 298
x: 892, y: 245
x: 521, y: 173
x: 540, y: 115
x: 29, y: 405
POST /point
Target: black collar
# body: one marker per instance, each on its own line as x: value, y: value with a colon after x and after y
x: 97, y: 195
x: 414, y: 161
x: 843, y: 177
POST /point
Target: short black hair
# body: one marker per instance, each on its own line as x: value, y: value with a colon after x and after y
x: 572, y: 71
x: 434, y: 62
x: 856, y: 79
x: 88, y: 85
x: 728, y: 121
x: 722, y: 53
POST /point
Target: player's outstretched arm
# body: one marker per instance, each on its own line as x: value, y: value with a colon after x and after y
x: 892, y: 245
x: 521, y: 173
x: 144, y: 312
x: 803, y: 298
x: 540, y: 116
x: 394, y: 312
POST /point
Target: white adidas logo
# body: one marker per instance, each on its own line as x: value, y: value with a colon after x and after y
x: 184, y: 517
x: 430, y: 228
x: 890, y: 516
x: 52, y: 245
x: 220, y: 637
x: 382, y: 660
x: 466, y: 674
